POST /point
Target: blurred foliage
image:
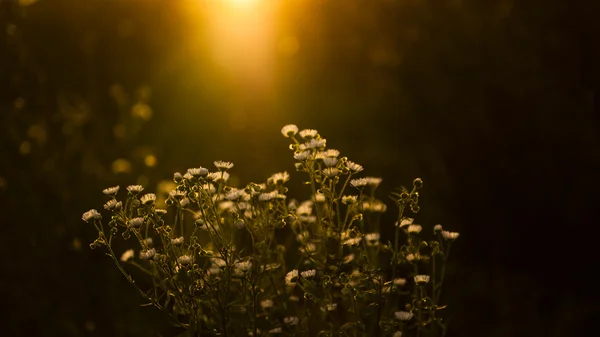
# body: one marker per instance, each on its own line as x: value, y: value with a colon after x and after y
x: 493, y: 103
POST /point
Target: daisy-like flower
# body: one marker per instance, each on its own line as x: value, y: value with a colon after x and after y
x: 136, y: 222
x: 197, y: 171
x: 320, y: 197
x: 308, y: 273
x: 279, y: 178
x: 266, y: 304
x: 305, y: 208
x: 110, y: 205
x: 314, y: 144
x: 403, y: 315
x: 177, y: 241
x: 243, y: 266
x: 360, y: 182
x: 308, y: 133
x: 276, y: 330
x: 148, y: 199
x: 374, y: 206
x: 414, y: 229
x: 406, y: 222
x: 354, y: 167
x: 188, y: 176
x: 349, y: 199
x: 177, y: 177
x: 218, y: 262
x: 289, y: 130
x: 301, y: 155
x: 234, y: 194
x: 210, y: 188
x: 373, y: 181
x: 412, y: 257
x: 450, y: 235
x: 111, y: 191
x: 160, y: 211
x: 349, y: 258
x: 147, y: 254
x: 135, y: 189
x: 292, y: 320
x: 127, y: 255
x: 92, y: 214
x: 399, y: 281
x: 421, y: 279
x: 331, y: 172
x: 331, y: 306
x: 177, y: 194
x: 184, y: 259
x: 185, y: 202
x: 219, y: 176
x: 437, y: 228
x: 352, y: 242
x: 397, y: 334
x: 370, y: 237
x: 149, y: 242
x: 330, y: 161
x: 291, y: 277
x: 223, y: 165
x: 268, y: 196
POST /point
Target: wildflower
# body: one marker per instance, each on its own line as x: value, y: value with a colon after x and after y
x: 148, y: 199
x: 314, y: 144
x: 403, y: 315
x: 352, y: 242
x: 148, y: 242
x: 319, y: 197
x: 406, y: 222
x: 160, y: 211
x: 219, y: 176
x: 147, y: 254
x: 92, y: 214
x: 266, y: 304
x: 276, y: 330
x: 414, y: 229
x: 110, y: 205
x: 291, y: 277
x: 185, y: 202
x: 399, y: 281
x: 234, y: 194
x: 177, y: 177
x: 450, y: 235
x: 135, y: 189
x: 289, y: 130
x: 373, y: 181
x: 177, y: 241
x: 187, y: 176
x: 331, y: 307
x: 360, y: 182
x: 437, y: 228
x: 349, y: 258
x: 210, y: 188
x: 268, y: 196
x: 197, y: 171
x: 411, y: 257
x: 372, y: 238
x: 330, y: 161
x: 349, y: 199
x: 292, y: 320
x: 243, y: 266
x: 301, y: 155
x: 111, y: 191
x: 308, y: 273
x: 136, y: 222
x: 418, y: 183
x: 354, y: 167
x: 294, y: 298
x: 374, y: 206
x: 184, y: 259
x: 223, y: 165
x: 421, y: 279
x: 397, y: 334
x: 218, y: 262
x: 128, y: 255
x: 308, y: 133
x: 305, y: 208
x: 177, y: 194
x: 331, y: 172
x: 279, y: 178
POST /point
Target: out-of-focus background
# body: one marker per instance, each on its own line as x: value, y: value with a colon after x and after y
x: 493, y: 103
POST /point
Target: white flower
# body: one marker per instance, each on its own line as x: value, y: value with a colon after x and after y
x: 411, y: 257
x: 372, y: 237
x: 406, y: 222
x: 147, y: 254
x: 148, y: 199
x: 331, y: 307
x: 148, y: 242
x: 450, y: 235
x: 210, y: 188
x: 223, y: 165
x: 291, y: 277
x: 331, y: 172
x: 397, y: 334
x: 305, y: 208
x: 320, y: 197
x: 136, y: 222
x: 349, y: 199
x: 289, y: 130
x: 185, y: 202
x: 352, y: 242
x: 308, y: 273
x: 437, y: 228
x: 403, y: 315
x: 310, y: 248
x: 177, y: 194
x: 128, y: 255
x: 135, y: 189
x: 314, y: 144
x: 111, y: 190
x: 92, y: 214
x: 276, y: 330
x: 110, y: 204
x: 308, y: 133
x: 422, y: 279
x: 330, y: 161
x: 354, y: 167
x: 349, y: 258
x: 177, y: 241
x: 218, y: 262
x: 301, y: 155
x: 399, y: 281
x: 360, y: 182
x: 160, y: 211
x: 279, y: 178
x: 414, y: 229
x: 234, y: 194
x: 266, y: 304
x: 219, y: 176
x: 197, y: 171
x: 292, y: 320
x: 177, y: 176
x: 268, y: 196
x: 244, y: 266
x: 187, y: 176
x: 184, y: 259
x: 373, y: 181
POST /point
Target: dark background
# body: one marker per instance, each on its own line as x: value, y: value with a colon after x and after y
x: 493, y: 103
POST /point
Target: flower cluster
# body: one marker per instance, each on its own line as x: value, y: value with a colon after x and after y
x: 248, y: 260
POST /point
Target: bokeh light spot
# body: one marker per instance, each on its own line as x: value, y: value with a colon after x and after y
x: 121, y: 166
